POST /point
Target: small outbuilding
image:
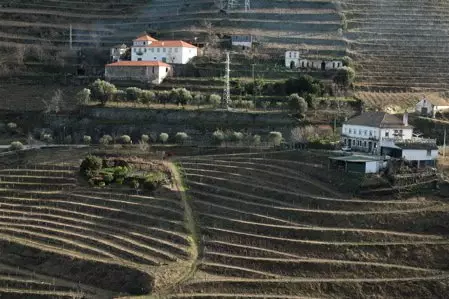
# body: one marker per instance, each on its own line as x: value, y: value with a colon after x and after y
x: 144, y: 71
x: 429, y: 106
x: 245, y: 41
x: 357, y: 163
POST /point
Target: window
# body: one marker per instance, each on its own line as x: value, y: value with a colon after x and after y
x: 364, y: 144
x: 387, y: 134
x: 158, y: 50
x: 360, y: 132
x: 152, y: 50
x: 169, y: 50
x: 153, y: 69
x: 145, y: 50
x: 290, y: 54
x: 370, y: 133
x: 139, y: 59
x: 155, y: 58
x: 366, y: 132
x: 144, y: 43
x: 164, y: 50
x: 353, y: 142
x: 176, y: 50
x: 429, y: 153
x: 166, y: 69
x: 135, y: 50
x: 350, y: 131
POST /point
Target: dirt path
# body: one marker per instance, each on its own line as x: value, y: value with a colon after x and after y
x: 190, y: 224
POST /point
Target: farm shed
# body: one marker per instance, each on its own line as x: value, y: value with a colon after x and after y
x: 429, y: 106
x: 356, y: 163
x: 144, y: 71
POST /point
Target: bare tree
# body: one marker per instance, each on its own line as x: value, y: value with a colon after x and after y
x: 55, y: 103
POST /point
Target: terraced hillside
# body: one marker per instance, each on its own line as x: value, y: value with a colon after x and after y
x: 399, y: 44
x: 62, y: 239
x: 272, y: 229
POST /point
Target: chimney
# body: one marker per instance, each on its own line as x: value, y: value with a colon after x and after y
x: 405, y: 119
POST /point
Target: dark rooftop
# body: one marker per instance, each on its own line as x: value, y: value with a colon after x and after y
x: 378, y: 120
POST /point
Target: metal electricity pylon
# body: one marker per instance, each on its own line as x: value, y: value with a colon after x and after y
x: 226, y: 100
x: 247, y: 5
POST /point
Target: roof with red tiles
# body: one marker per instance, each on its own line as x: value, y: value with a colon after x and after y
x: 139, y: 63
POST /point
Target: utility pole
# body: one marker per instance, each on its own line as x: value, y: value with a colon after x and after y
x: 247, y: 5
x: 444, y: 143
x: 70, y: 37
x: 227, y: 88
x: 254, y: 84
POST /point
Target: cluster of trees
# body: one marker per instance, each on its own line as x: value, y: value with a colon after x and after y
x: 220, y: 137
x: 101, y: 172
x: 104, y: 92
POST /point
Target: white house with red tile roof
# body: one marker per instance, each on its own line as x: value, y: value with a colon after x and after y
x: 145, y: 71
x: 147, y: 48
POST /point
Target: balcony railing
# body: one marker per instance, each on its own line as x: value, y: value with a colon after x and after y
x: 412, y: 140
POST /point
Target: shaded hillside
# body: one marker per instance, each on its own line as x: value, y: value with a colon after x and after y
x: 399, y: 44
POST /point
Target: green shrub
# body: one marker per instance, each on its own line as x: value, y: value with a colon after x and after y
x: 154, y: 180
x: 133, y: 94
x: 180, y: 96
x: 91, y: 166
x: 275, y: 138
x: 297, y: 104
x: 83, y: 96
x: 236, y: 137
x: 16, y: 146
x: 218, y: 137
x: 214, y: 100
x: 134, y: 184
x: 108, y: 178
x: 106, y: 139
x: 87, y: 139
x: 163, y: 137
x: 181, y: 137
x: 120, y: 95
x: 125, y: 139
x: 102, y: 91
x: 145, y: 138
x: 147, y: 97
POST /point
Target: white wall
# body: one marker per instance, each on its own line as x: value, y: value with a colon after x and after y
x: 424, y: 104
x: 177, y: 55
x: 359, y: 131
x: 406, y: 133
x: 372, y: 167
x: 242, y: 44
x: 163, y: 72
x: 419, y: 155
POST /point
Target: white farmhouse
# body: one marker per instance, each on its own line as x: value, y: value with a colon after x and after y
x: 429, y: 106
x: 386, y: 134
x: 293, y: 60
x: 117, y: 52
x: 146, y: 48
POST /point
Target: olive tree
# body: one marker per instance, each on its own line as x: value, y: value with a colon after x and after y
x: 275, y: 138
x: 163, y: 137
x: 181, y: 137
x: 102, y: 91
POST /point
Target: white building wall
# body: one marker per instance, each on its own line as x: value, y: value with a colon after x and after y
x: 169, y: 54
x: 242, y: 44
x: 389, y: 133
x: 372, y: 167
x: 188, y: 54
x: 419, y: 155
x: 163, y: 72
x: 365, y: 132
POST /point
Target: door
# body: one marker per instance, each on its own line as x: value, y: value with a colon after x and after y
x: 424, y: 111
x: 292, y: 64
x: 323, y: 66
